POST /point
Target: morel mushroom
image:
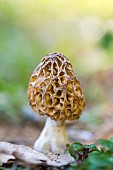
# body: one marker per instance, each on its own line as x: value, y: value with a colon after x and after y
x: 55, y: 91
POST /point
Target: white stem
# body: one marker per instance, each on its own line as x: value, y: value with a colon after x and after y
x: 53, y: 137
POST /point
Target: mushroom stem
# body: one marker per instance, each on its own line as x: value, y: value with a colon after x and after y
x: 53, y: 138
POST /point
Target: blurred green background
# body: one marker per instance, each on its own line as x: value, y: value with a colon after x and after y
x: 80, y: 29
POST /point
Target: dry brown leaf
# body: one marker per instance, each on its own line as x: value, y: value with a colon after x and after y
x: 29, y: 156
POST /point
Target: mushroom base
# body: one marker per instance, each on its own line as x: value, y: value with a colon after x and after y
x: 53, y: 138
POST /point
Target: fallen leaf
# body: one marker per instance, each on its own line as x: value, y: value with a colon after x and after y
x: 30, y: 156
x: 5, y: 158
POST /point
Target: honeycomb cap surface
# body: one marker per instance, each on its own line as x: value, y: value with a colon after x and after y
x: 54, y: 89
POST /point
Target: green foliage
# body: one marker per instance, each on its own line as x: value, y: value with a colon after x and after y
x: 90, y: 157
x: 107, y: 40
x: 79, y: 151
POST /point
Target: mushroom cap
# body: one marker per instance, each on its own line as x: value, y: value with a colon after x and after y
x: 54, y: 89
